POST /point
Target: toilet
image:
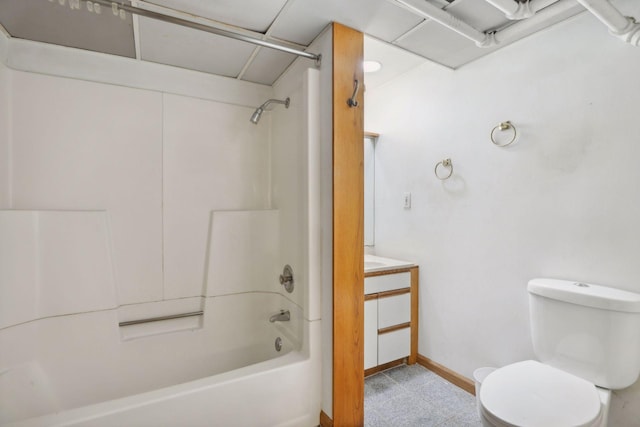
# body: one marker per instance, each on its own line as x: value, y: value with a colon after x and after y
x: 587, y: 342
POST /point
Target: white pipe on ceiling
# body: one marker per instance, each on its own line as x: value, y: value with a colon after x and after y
x: 429, y: 11
x: 623, y: 27
x: 521, y: 28
x: 515, y: 10
x: 486, y: 40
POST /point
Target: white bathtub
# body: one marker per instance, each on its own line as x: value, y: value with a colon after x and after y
x: 223, y: 372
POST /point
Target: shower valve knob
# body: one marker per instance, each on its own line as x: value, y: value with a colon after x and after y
x: 286, y: 278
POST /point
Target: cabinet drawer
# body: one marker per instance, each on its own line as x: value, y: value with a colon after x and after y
x: 394, y: 310
x: 394, y: 345
x: 386, y: 282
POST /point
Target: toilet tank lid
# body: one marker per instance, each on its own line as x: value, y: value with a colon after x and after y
x: 586, y: 294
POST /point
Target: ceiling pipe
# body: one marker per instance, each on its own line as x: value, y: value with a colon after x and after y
x: 522, y: 28
x: 514, y: 10
x: 547, y: 10
x: 624, y: 27
x: 434, y: 13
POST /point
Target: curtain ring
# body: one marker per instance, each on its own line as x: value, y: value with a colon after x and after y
x: 503, y: 126
x: 446, y: 163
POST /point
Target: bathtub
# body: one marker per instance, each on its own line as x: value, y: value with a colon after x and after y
x: 219, y: 369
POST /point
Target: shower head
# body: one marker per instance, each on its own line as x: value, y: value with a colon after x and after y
x: 255, y: 117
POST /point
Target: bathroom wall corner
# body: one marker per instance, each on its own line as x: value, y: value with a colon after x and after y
x: 5, y: 130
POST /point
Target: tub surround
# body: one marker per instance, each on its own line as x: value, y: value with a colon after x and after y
x: 142, y: 213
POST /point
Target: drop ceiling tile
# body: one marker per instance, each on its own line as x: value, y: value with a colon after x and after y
x: 50, y: 22
x: 435, y: 42
x: 187, y: 48
x: 441, y: 45
x: 256, y: 15
x: 305, y: 19
x: 395, y: 61
x: 267, y: 66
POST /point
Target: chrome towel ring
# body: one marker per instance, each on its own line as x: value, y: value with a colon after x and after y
x: 502, y: 127
x: 446, y: 164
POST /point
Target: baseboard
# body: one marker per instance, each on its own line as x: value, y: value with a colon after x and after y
x: 381, y: 368
x: 453, y: 377
x: 325, y: 421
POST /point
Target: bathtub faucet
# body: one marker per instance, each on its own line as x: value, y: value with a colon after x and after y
x: 283, y: 316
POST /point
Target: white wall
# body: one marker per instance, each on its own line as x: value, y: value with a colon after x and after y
x: 561, y: 202
x: 5, y: 96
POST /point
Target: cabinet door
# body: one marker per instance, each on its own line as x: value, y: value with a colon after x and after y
x: 370, y: 333
x: 394, y: 345
x: 394, y: 310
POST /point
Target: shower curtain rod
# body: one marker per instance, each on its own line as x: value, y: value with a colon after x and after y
x: 202, y: 27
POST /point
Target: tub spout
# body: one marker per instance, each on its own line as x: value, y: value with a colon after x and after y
x: 283, y: 316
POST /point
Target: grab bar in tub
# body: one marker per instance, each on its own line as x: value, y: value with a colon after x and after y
x: 159, y: 318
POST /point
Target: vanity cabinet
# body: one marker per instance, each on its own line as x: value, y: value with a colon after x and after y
x: 390, y: 317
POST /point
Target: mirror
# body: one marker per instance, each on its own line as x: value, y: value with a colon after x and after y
x: 369, y: 187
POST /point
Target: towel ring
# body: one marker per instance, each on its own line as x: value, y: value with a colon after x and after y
x: 446, y: 163
x: 503, y: 126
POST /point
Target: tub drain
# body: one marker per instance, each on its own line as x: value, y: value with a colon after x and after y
x: 278, y: 344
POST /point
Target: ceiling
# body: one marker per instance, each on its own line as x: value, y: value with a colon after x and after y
x: 293, y: 23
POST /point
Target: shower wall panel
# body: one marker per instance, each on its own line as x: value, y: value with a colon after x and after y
x: 54, y: 263
x: 214, y: 160
x: 158, y: 164
x: 79, y: 145
x: 5, y: 94
x: 243, y: 252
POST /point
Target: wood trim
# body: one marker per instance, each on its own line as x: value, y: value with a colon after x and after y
x: 390, y: 271
x: 368, y: 297
x: 414, y: 316
x: 371, y: 135
x: 453, y: 377
x: 383, y: 367
x: 394, y: 328
x: 325, y: 421
x: 394, y: 292
x: 348, y: 229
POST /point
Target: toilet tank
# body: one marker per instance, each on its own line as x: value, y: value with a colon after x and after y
x: 588, y: 330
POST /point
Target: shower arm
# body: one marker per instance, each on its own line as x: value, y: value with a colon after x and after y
x: 255, y: 117
x: 275, y: 101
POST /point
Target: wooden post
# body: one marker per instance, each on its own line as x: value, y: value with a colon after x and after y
x: 348, y: 229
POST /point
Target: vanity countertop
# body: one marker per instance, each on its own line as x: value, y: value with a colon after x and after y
x: 374, y: 263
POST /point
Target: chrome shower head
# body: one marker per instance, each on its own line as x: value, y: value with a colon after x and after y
x: 255, y: 117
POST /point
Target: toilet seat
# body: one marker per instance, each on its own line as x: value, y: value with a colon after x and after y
x: 532, y: 394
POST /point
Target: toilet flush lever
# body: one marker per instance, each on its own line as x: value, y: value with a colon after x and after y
x: 286, y: 278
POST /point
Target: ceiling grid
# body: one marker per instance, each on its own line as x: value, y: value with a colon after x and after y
x: 294, y: 23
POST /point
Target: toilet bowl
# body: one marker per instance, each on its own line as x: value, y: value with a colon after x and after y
x: 587, y: 341
x: 530, y: 393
